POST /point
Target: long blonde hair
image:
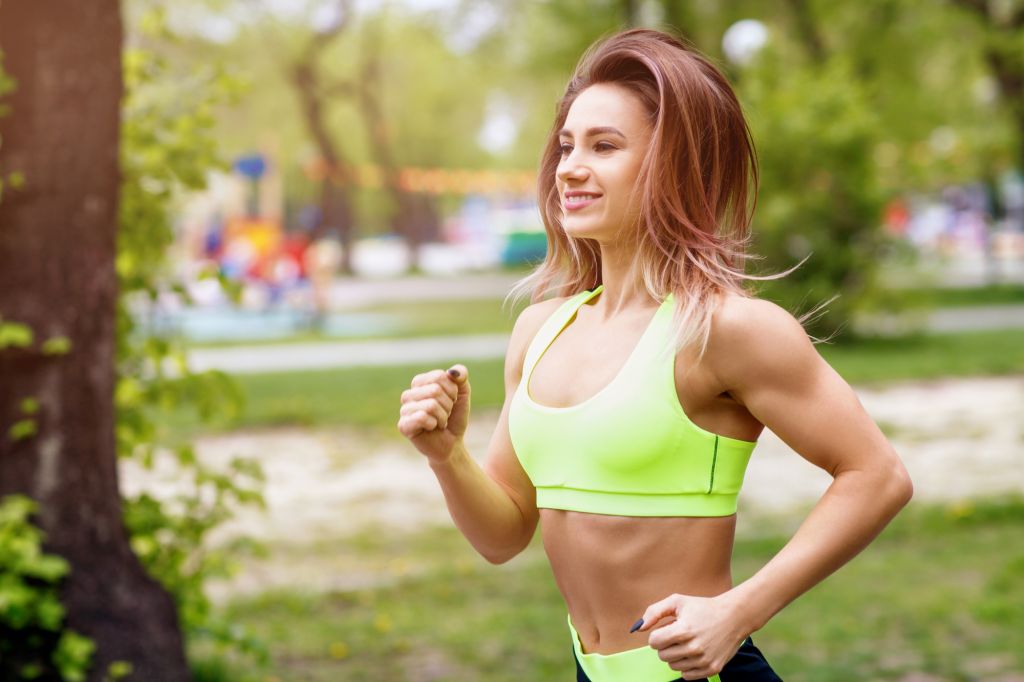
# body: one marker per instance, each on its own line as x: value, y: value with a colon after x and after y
x: 697, y: 186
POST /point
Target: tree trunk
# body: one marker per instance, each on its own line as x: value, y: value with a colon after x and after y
x: 403, y: 219
x: 336, y: 211
x: 57, y: 249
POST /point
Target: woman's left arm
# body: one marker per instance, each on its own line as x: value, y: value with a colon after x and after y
x: 764, y: 358
x: 769, y: 364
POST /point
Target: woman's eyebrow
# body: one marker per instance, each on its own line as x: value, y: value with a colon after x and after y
x: 600, y: 130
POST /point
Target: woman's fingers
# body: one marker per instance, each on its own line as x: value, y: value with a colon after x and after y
x: 431, y: 392
x: 436, y: 376
x: 417, y: 422
x: 430, y: 407
x: 437, y: 400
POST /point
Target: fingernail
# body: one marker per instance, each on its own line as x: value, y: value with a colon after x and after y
x: 453, y: 373
x: 637, y: 625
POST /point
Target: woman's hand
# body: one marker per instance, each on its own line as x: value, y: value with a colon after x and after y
x: 702, y: 638
x: 435, y: 411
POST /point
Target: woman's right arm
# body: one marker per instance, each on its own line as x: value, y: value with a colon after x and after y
x: 493, y: 505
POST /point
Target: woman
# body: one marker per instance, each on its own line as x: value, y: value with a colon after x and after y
x: 635, y: 396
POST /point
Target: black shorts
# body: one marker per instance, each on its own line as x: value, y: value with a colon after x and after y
x: 747, y: 665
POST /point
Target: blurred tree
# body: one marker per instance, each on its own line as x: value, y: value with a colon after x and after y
x: 819, y: 195
x: 380, y: 89
x: 57, y: 277
x: 315, y: 99
x: 1003, y: 49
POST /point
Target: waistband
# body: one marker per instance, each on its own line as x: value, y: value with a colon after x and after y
x: 641, y: 664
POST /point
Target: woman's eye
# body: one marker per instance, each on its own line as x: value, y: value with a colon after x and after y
x: 600, y: 146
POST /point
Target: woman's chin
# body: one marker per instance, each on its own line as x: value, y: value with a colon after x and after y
x: 582, y: 228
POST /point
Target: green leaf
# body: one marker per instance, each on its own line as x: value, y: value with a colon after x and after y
x: 15, y: 335
x: 31, y: 671
x: 29, y: 406
x: 47, y: 567
x: 57, y: 345
x: 22, y: 429
x: 118, y: 670
x: 73, y: 656
x: 50, y: 615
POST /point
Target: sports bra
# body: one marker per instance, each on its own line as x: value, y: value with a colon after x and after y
x: 629, y: 450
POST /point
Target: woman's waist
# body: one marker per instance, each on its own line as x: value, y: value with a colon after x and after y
x: 603, y: 618
x: 610, y: 569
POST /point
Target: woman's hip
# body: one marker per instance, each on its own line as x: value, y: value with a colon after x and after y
x: 643, y: 665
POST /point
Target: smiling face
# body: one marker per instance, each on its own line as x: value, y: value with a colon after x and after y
x: 604, y: 141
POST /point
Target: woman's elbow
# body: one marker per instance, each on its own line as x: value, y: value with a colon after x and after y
x: 501, y: 556
x: 900, y: 486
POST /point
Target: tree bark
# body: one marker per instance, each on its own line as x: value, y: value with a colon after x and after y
x: 335, y: 203
x: 57, y: 248
x: 337, y: 185
x: 405, y: 219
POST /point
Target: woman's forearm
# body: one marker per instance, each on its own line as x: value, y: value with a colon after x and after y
x: 851, y: 513
x: 480, y: 507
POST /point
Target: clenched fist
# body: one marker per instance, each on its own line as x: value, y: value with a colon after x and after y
x: 435, y: 411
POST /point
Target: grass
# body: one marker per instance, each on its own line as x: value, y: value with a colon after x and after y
x: 938, y: 592
x: 957, y: 297
x: 369, y: 396
x: 932, y: 356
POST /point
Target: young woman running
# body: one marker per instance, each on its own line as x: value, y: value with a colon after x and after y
x: 635, y: 395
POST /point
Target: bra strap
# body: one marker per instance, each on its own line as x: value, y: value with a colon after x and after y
x: 551, y: 327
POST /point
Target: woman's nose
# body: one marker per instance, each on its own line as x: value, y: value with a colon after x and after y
x: 571, y: 169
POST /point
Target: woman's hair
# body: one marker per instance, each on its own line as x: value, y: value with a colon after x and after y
x: 697, y: 185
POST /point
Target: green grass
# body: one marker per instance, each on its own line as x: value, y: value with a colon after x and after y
x: 956, y: 297
x: 933, y: 356
x: 369, y: 396
x: 940, y: 591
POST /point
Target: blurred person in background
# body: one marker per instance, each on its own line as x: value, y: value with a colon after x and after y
x: 321, y: 261
x: 636, y: 394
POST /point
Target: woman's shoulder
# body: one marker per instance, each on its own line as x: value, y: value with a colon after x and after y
x: 533, y: 316
x: 747, y: 322
x: 528, y: 324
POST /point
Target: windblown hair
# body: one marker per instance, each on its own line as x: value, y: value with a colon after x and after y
x: 697, y: 185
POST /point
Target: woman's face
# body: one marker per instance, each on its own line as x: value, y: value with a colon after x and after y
x: 604, y: 141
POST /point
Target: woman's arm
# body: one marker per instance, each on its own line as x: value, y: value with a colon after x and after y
x: 769, y: 365
x: 762, y: 356
x: 493, y: 505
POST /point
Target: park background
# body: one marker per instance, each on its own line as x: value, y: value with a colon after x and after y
x: 232, y: 231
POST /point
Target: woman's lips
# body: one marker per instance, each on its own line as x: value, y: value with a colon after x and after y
x: 578, y: 204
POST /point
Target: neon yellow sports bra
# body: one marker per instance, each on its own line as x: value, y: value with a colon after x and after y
x: 629, y: 450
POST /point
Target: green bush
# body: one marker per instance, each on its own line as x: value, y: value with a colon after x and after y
x: 816, y: 133
x: 34, y: 642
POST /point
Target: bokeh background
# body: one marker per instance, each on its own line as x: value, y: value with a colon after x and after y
x: 306, y: 203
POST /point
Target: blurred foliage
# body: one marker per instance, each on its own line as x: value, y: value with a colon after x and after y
x: 34, y: 642
x: 13, y: 179
x: 167, y: 146
x: 815, y: 132
x: 851, y: 104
